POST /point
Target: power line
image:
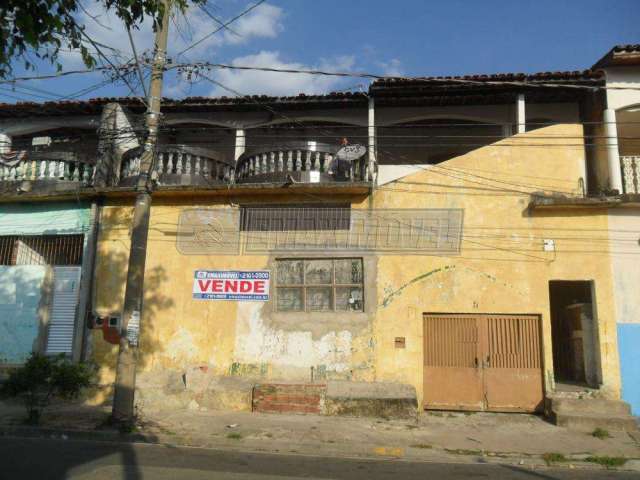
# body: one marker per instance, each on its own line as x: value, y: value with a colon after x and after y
x: 135, y: 56
x: 226, y: 24
x: 433, y: 80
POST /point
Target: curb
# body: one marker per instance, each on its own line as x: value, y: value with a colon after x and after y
x: 380, y: 453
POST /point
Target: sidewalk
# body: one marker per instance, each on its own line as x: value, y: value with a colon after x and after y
x: 437, y: 437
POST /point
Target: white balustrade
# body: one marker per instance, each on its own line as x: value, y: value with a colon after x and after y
x: 178, y: 163
x: 280, y: 161
x: 44, y: 169
x: 631, y: 174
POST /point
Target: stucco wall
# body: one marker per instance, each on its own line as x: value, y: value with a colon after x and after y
x: 624, y: 235
x: 502, y: 269
x: 627, y: 81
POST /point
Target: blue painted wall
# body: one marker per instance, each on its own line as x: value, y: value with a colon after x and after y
x: 20, y: 291
x: 21, y: 286
x: 629, y: 348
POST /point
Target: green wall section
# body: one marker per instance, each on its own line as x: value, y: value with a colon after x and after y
x: 21, y: 286
x: 20, y: 292
x: 44, y: 219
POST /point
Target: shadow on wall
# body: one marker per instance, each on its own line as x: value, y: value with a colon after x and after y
x: 110, y: 282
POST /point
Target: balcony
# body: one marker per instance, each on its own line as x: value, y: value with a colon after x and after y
x: 180, y: 165
x: 42, y: 168
x: 306, y: 162
x: 631, y: 174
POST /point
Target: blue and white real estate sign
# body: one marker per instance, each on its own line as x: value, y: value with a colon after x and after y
x: 231, y: 285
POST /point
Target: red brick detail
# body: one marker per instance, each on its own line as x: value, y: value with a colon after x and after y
x: 288, y: 398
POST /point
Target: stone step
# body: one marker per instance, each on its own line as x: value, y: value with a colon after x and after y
x: 288, y: 398
x: 590, y: 406
x: 589, y: 422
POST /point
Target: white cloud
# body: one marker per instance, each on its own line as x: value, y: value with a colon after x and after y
x: 250, y: 82
x: 392, y: 68
x: 262, y: 22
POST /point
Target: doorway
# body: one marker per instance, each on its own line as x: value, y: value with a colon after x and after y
x: 576, y: 356
x: 482, y: 362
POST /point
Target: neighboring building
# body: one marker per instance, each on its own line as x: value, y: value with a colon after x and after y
x: 622, y: 72
x: 469, y: 254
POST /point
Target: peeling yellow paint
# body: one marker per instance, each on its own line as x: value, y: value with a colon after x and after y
x: 502, y: 268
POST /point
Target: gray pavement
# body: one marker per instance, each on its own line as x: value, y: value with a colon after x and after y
x: 38, y: 458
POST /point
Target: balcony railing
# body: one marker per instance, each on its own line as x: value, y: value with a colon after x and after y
x: 631, y: 174
x: 294, y: 161
x: 40, y: 166
x: 180, y: 165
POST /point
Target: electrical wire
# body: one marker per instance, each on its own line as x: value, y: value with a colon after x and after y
x: 226, y: 24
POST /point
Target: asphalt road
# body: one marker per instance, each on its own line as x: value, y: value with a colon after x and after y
x: 52, y: 459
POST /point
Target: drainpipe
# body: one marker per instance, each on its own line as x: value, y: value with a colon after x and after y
x: 613, y: 155
x: 372, y: 140
x: 87, y: 287
x: 521, y: 114
x: 241, y: 142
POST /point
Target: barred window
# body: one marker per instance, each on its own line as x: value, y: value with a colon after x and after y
x: 41, y: 249
x: 319, y: 285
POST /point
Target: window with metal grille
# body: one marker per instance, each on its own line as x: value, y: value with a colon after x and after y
x: 281, y: 218
x: 41, y: 249
x: 319, y: 285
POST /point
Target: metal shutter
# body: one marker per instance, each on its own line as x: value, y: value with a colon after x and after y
x: 66, y: 287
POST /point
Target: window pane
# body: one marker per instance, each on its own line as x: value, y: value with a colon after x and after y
x: 290, y: 272
x: 349, y: 270
x: 289, y: 299
x: 319, y: 299
x: 349, y: 299
x: 318, y: 272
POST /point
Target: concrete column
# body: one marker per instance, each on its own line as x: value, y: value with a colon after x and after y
x: 372, y: 138
x: 521, y: 114
x: 5, y: 143
x: 241, y: 141
x: 613, y: 155
x: 117, y: 135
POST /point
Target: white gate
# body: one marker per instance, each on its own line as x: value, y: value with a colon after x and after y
x: 66, y: 289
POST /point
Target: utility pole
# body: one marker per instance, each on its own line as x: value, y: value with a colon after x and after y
x: 123, y: 401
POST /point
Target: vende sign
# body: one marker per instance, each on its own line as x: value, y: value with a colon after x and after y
x: 231, y: 285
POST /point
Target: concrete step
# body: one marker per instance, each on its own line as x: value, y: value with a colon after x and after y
x: 590, y: 406
x: 589, y: 421
x: 288, y: 398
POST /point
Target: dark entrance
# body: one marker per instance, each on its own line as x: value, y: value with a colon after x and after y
x: 576, y: 356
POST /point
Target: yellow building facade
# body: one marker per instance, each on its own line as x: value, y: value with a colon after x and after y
x: 508, y: 255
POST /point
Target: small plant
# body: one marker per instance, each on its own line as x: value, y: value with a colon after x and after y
x: 552, y: 457
x: 43, y: 378
x: 600, y: 433
x: 609, y: 462
x: 234, y: 436
x: 424, y: 446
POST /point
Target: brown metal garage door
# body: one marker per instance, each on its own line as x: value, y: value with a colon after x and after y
x: 482, y: 362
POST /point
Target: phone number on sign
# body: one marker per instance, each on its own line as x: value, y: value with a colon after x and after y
x: 206, y: 274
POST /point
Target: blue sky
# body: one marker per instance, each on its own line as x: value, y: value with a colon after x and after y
x: 405, y: 37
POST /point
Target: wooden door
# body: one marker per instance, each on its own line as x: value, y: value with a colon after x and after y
x: 482, y: 362
x: 452, y: 377
x: 512, y: 363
